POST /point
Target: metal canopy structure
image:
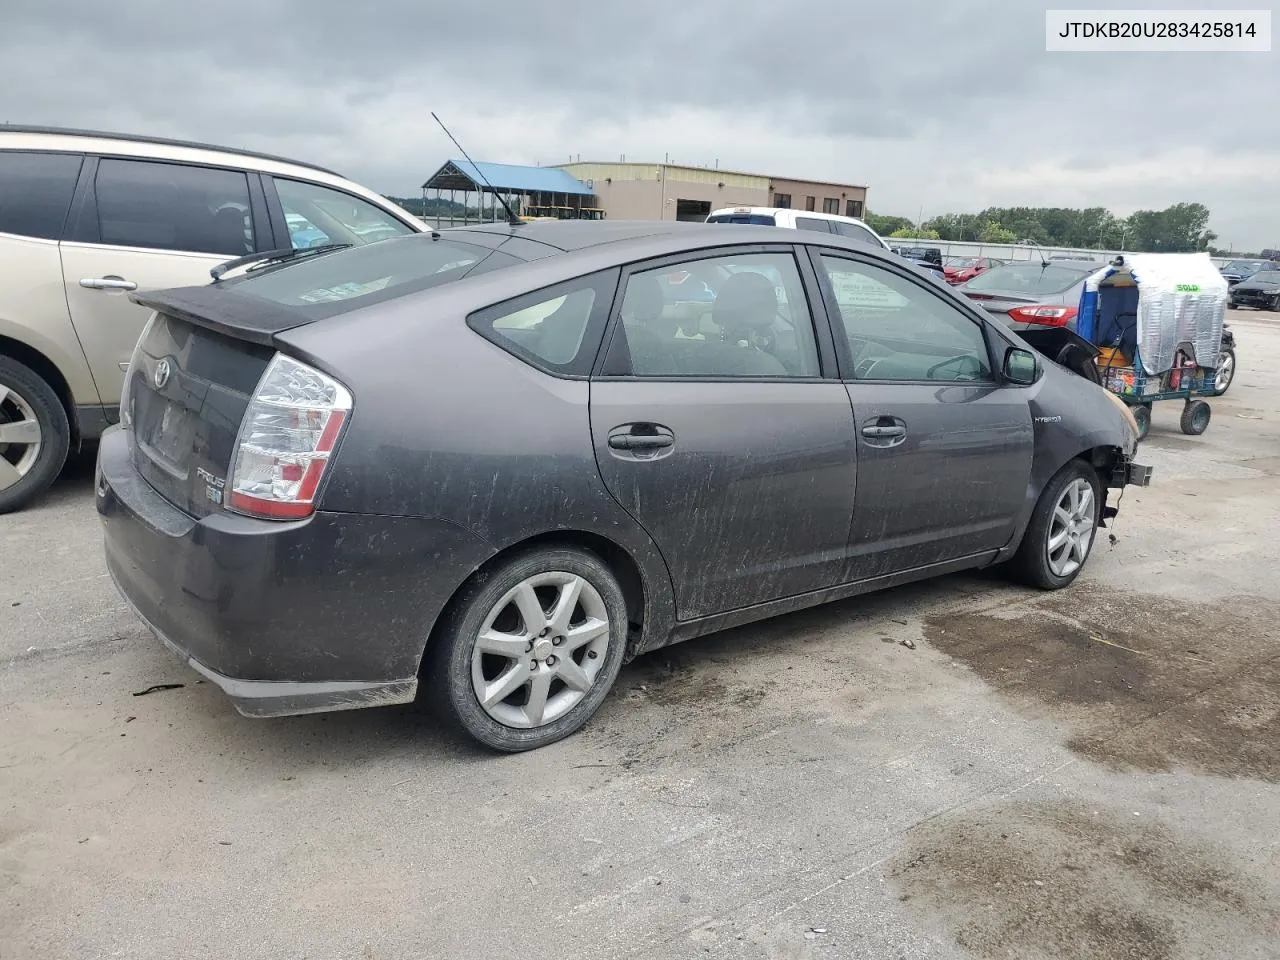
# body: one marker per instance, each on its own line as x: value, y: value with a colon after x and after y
x: 540, y: 191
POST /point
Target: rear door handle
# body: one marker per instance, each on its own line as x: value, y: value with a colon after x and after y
x: 108, y: 283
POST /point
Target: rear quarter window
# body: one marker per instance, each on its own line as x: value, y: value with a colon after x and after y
x: 556, y: 329
x: 35, y: 192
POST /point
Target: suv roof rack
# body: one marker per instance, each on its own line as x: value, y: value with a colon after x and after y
x: 159, y: 141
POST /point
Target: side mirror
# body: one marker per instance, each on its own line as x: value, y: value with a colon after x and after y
x: 1020, y: 366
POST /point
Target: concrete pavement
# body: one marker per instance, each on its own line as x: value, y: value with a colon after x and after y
x: 1088, y: 774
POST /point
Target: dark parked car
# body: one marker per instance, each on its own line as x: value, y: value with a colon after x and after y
x: 1260, y: 291
x: 485, y: 458
x: 1235, y: 271
x: 930, y: 255
x: 1032, y: 295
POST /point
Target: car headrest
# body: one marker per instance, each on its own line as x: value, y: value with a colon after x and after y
x: 644, y: 297
x: 745, y: 300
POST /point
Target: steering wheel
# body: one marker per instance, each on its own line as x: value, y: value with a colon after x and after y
x: 959, y: 363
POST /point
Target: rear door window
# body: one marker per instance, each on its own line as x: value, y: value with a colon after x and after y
x: 755, y: 323
x: 318, y: 215
x: 173, y: 206
x: 36, y: 191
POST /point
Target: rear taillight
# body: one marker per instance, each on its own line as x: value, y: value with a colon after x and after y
x: 291, y: 427
x: 126, y: 391
x: 1044, y: 316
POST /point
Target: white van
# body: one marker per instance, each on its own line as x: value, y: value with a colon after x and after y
x: 800, y: 220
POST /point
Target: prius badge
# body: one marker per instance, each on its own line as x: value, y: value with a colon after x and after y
x: 161, y: 375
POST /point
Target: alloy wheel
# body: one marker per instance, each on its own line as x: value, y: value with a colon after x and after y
x: 20, y: 437
x: 1226, y: 370
x: 540, y: 650
x: 1072, y: 527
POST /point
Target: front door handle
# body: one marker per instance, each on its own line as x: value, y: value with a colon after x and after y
x: 876, y: 431
x: 108, y: 283
x: 640, y: 441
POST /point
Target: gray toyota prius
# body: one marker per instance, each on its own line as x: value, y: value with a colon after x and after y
x: 487, y: 466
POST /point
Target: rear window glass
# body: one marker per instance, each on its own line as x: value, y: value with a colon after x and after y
x: 358, y: 276
x: 763, y: 219
x: 1026, y: 278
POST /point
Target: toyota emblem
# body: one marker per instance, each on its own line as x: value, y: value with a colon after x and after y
x: 161, y: 375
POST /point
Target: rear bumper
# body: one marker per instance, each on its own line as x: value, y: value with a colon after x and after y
x: 328, y: 613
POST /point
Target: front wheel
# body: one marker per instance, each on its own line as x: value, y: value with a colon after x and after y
x: 1195, y: 418
x: 530, y: 650
x: 35, y: 435
x: 1060, y: 536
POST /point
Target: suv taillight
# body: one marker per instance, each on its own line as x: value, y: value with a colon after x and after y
x: 291, y: 426
x: 1045, y: 316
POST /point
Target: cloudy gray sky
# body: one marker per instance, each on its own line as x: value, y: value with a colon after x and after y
x: 940, y: 106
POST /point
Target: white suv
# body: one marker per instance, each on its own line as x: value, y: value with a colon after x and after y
x: 800, y: 220
x: 85, y: 218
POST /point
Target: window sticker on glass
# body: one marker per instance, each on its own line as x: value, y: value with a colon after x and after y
x: 858, y: 290
x: 343, y: 291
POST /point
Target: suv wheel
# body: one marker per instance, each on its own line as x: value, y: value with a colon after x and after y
x: 530, y: 650
x: 34, y: 435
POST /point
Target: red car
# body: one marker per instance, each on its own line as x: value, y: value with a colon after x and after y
x: 960, y: 269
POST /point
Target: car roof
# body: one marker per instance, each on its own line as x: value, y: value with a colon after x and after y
x: 140, y: 139
x: 650, y: 237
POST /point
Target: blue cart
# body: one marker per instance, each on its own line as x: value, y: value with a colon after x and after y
x: 1157, y: 322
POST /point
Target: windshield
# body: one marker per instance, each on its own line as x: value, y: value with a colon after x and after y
x: 960, y: 262
x: 1026, y: 278
x: 1241, y: 266
x: 1267, y: 276
x: 763, y: 219
x: 369, y: 273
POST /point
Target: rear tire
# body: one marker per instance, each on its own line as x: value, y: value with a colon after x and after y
x: 1195, y: 417
x: 1063, y: 527
x: 554, y: 629
x: 35, y: 435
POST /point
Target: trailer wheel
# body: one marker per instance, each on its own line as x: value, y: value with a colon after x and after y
x: 1142, y: 415
x: 1195, y: 417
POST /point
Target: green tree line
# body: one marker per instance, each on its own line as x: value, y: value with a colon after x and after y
x: 1180, y: 228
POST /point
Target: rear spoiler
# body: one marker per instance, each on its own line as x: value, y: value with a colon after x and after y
x: 1067, y: 348
x: 219, y: 309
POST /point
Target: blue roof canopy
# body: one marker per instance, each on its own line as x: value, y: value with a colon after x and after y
x: 504, y: 178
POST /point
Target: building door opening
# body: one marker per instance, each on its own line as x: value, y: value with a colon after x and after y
x: 695, y: 211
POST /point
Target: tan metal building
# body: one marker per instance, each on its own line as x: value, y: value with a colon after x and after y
x: 668, y: 191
